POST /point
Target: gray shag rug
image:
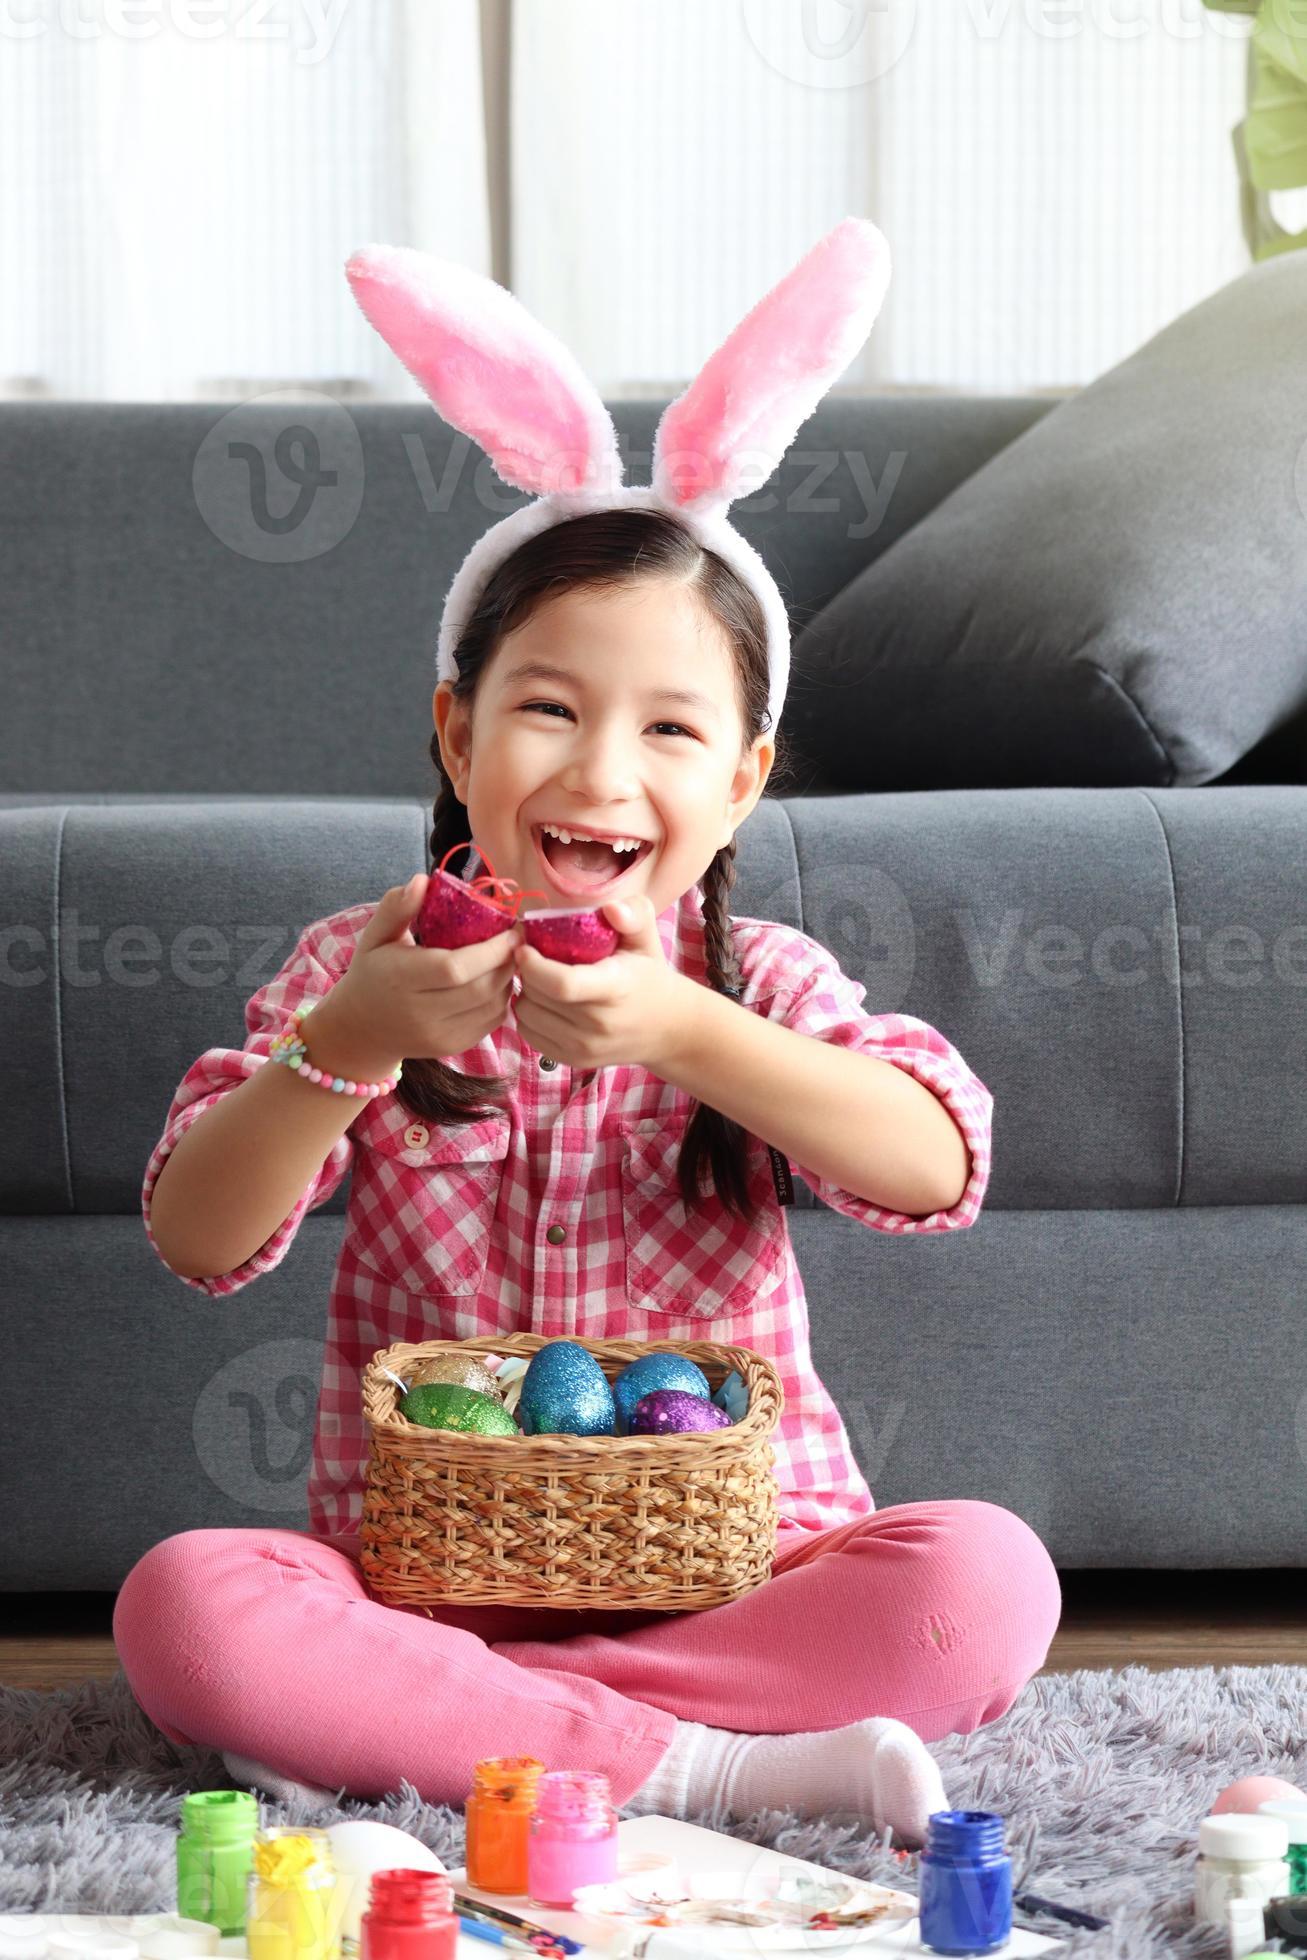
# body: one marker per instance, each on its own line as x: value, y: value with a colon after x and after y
x: 1101, y: 1777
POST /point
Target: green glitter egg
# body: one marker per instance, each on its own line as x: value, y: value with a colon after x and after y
x: 446, y: 1405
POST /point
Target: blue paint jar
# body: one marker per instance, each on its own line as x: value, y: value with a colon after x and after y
x: 966, y: 1882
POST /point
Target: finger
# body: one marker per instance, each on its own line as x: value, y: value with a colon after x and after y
x: 541, y: 1028
x: 468, y: 1029
x: 495, y: 985
x: 553, y: 979
x: 394, y: 914
x: 456, y: 966
x: 491, y: 955
x: 635, y: 920
x: 492, y: 1019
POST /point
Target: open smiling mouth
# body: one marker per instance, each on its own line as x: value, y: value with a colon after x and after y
x: 589, y: 870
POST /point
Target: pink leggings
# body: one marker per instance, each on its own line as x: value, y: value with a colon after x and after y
x: 267, y: 1644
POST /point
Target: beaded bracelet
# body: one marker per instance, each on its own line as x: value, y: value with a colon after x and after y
x: 288, y: 1047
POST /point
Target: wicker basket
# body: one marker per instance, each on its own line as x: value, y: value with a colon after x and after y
x: 665, y: 1523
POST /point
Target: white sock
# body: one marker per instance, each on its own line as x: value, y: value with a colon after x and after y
x: 879, y: 1769
x: 244, y: 1770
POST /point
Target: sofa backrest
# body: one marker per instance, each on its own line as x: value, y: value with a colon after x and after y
x: 1124, y: 969
x: 202, y: 600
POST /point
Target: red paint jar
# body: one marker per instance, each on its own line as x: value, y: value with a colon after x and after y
x: 410, y: 1916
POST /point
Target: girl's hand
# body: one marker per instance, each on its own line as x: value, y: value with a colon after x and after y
x: 630, y: 1007
x: 397, y: 998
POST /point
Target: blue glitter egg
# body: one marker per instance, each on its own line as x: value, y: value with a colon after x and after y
x: 651, y: 1371
x: 565, y: 1391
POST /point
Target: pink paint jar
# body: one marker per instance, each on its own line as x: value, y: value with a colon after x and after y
x: 572, y: 1837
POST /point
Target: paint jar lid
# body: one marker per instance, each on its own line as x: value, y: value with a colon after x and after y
x: 220, y: 1815
x: 1241, y: 1834
x: 1294, y: 1812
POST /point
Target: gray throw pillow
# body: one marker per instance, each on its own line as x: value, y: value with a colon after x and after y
x: 1118, y: 597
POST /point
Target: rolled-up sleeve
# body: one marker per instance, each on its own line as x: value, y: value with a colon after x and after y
x: 308, y: 973
x: 810, y: 993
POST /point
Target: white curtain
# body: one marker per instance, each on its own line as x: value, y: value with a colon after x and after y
x: 181, y: 181
x: 1055, y: 177
x: 181, y: 185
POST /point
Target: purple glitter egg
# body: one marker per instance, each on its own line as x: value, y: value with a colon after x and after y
x: 673, y: 1411
x: 453, y: 914
x: 564, y: 933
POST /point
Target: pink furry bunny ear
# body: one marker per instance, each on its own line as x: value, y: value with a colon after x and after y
x: 490, y: 368
x: 726, y: 434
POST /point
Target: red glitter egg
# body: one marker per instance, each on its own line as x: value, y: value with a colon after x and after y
x: 574, y: 936
x: 453, y: 914
x: 673, y: 1411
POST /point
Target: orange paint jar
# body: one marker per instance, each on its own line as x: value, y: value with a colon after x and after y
x: 498, y: 1822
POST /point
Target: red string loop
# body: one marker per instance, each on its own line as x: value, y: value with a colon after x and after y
x: 484, y: 886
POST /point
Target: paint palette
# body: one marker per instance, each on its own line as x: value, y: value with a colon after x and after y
x: 693, y: 1851
x: 763, y: 1911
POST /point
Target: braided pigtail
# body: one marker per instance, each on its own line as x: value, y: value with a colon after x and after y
x: 712, y: 1140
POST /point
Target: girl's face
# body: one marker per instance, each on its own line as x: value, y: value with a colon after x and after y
x: 600, y: 747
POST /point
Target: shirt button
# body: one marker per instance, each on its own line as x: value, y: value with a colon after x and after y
x: 417, y: 1136
x: 556, y: 1234
x: 547, y: 1061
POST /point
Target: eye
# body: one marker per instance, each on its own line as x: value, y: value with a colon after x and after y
x: 529, y: 707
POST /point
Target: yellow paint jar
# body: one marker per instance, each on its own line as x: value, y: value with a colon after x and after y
x: 292, y: 1909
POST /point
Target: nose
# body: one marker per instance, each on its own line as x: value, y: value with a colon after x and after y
x: 600, y: 768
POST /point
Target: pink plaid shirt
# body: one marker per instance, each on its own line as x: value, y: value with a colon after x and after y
x: 447, y: 1231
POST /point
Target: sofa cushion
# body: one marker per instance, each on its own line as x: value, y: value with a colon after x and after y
x: 1117, y: 597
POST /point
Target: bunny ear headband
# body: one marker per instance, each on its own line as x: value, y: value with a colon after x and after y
x: 503, y: 379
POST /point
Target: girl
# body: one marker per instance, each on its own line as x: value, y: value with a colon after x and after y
x: 593, y: 1150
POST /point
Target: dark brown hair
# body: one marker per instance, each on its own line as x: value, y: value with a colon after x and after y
x: 605, y: 548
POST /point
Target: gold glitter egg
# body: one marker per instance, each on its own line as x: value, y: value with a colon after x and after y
x: 462, y: 1369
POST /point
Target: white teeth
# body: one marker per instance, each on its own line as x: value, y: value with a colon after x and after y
x: 579, y: 837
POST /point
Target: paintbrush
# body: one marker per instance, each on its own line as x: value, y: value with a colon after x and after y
x: 481, y: 1929
x: 539, y: 1937
x: 1029, y: 1902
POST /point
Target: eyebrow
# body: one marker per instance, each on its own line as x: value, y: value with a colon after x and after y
x: 539, y: 670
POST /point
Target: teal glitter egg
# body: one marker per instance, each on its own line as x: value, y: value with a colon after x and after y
x: 651, y: 1371
x: 565, y: 1391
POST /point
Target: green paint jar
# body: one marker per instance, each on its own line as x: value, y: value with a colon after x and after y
x: 214, y: 1854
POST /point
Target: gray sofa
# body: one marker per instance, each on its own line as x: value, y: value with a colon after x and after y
x: 216, y: 728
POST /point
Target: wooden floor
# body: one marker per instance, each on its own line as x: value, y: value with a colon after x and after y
x: 1109, y: 1619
